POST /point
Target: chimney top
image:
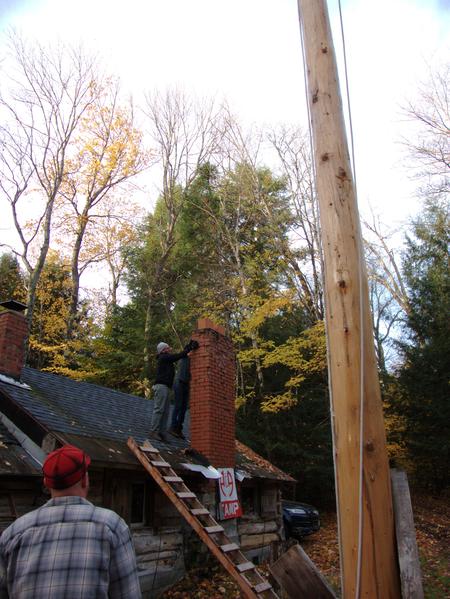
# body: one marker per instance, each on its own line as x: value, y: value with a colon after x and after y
x: 13, y: 333
x: 13, y: 305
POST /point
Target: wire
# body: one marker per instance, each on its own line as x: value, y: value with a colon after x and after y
x: 347, y: 91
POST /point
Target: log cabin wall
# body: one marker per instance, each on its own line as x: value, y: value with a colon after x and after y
x: 165, y: 544
x: 260, y: 528
x: 155, y: 524
x: 19, y: 496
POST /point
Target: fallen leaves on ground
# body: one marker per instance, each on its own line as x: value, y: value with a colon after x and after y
x: 323, y: 549
x: 432, y: 522
x: 204, y: 583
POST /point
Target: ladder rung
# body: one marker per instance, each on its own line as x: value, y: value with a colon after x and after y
x: 229, y: 547
x: 160, y: 464
x: 148, y: 449
x: 262, y: 586
x: 212, y: 529
x: 199, y: 511
x: 173, y: 479
x: 245, y: 566
x: 186, y: 495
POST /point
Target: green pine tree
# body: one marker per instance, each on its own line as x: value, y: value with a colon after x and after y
x: 424, y: 379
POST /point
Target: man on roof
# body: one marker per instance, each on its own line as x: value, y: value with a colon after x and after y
x: 68, y: 548
x: 165, y: 373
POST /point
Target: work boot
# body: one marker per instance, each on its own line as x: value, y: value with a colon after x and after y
x: 157, y: 435
x: 173, y: 432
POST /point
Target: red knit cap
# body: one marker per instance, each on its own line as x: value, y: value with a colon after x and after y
x: 64, y: 467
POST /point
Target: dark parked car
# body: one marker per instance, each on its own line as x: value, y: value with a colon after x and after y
x: 300, y: 519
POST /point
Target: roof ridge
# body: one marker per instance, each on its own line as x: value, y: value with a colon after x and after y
x: 96, y: 385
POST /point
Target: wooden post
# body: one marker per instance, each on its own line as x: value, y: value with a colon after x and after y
x: 298, y: 576
x: 408, y: 554
x: 369, y: 569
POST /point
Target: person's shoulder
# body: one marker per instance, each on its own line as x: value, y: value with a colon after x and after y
x: 109, y: 518
x: 20, y: 525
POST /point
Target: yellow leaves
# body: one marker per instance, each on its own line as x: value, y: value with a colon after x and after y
x: 108, y: 149
x: 251, y: 355
x: 241, y: 400
x: 277, y: 403
x: 268, y: 308
x: 305, y: 356
x: 305, y: 353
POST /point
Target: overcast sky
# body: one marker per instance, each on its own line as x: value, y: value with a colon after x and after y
x: 249, y: 52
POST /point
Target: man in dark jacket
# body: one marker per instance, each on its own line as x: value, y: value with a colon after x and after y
x: 165, y: 374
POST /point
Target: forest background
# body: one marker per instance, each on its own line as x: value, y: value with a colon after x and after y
x: 233, y: 235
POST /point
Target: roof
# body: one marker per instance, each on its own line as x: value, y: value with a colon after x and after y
x: 255, y: 465
x: 100, y: 420
x: 13, y: 458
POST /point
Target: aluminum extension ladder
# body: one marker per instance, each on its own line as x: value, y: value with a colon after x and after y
x: 252, y: 584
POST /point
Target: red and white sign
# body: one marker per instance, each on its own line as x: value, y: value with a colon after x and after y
x: 229, y: 504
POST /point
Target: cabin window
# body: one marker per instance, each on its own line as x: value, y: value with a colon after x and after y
x: 249, y: 500
x: 269, y: 502
x: 137, y: 508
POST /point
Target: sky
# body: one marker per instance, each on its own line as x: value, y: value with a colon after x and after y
x: 249, y: 52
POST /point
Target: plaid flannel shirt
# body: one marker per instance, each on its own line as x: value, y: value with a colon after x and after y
x: 68, y: 549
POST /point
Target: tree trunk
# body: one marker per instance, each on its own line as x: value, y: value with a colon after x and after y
x: 35, y: 275
x: 75, y: 272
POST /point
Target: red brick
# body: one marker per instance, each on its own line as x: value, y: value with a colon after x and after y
x: 213, y: 394
x: 13, y: 331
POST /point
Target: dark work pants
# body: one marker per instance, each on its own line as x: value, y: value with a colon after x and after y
x: 181, y: 391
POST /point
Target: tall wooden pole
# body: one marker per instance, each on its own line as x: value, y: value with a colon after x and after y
x: 366, y: 526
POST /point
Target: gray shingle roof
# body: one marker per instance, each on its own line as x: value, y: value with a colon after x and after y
x: 67, y: 406
x: 76, y: 410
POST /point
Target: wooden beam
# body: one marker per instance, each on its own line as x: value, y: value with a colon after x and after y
x: 368, y: 569
x: 408, y: 555
x: 298, y: 576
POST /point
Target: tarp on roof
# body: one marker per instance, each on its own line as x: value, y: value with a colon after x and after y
x: 14, y: 460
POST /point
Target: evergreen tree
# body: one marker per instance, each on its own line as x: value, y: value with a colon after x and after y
x: 425, y: 376
x: 12, y: 285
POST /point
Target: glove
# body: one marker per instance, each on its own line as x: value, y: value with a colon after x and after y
x: 191, y: 345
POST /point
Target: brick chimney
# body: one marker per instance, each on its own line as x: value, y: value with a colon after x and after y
x: 13, y: 332
x: 212, y: 395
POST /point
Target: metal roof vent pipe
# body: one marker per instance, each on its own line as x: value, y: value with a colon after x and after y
x: 13, y: 334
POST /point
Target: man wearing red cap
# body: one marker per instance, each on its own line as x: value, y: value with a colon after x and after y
x: 68, y: 548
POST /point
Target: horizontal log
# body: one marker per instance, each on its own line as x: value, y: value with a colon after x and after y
x: 144, y: 544
x: 154, y: 556
x: 253, y: 541
x: 254, y: 528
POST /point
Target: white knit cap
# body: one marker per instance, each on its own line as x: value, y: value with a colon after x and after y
x: 161, y: 346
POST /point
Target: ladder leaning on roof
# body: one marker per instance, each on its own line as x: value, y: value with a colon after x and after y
x: 252, y: 584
